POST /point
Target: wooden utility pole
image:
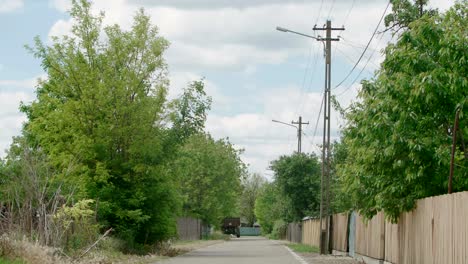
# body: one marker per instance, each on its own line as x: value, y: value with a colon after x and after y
x: 325, y: 179
x: 299, y: 133
x: 454, y: 147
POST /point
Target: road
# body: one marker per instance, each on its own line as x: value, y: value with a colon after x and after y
x: 251, y: 250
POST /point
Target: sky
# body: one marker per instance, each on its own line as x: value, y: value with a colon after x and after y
x: 253, y: 72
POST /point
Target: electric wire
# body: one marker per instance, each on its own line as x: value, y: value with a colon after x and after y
x: 363, y: 68
x: 367, y: 46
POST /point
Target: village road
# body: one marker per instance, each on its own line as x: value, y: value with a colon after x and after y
x: 248, y: 250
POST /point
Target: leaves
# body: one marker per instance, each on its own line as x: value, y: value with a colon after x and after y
x: 398, y: 135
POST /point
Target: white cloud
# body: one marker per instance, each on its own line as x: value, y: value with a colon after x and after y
x: 60, y: 5
x: 240, y: 36
x: 7, y: 6
x: 12, y: 93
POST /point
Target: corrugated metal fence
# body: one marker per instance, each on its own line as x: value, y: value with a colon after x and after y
x: 435, y: 232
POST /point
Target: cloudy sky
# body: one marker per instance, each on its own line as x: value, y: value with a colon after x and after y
x: 253, y: 72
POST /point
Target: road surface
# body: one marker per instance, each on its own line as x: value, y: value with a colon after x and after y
x: 251, y: 250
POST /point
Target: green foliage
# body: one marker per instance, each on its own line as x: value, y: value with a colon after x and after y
x: 217, y: 235
x: 209, y: 173
x: 279, y: 229
x: 77, y: 225
x: 251, y: 188
x: 271, y: 205
x: 298, y: 177
x: 398, y: 136
x: 404, y: 12
x: 102, y: 119
x: 303, y: 248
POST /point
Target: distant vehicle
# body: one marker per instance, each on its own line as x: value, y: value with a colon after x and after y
x: 231, y: 225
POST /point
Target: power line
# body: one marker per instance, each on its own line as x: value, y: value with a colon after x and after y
x: 362, y: 70
x: 367, y: 46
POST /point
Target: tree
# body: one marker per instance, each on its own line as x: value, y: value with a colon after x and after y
x: 209, y: 173
x: 404, y: 12
x: 398, y: 134
x: 298, y: 177
x: 251, y: 187
x: 103, y: 108
x: 271, y: 205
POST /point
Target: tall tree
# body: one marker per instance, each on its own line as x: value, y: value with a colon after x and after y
x: 298, y: 177
x: 398, y: 136
x: 271, y: 205
x: 406, y: 11
x: 251, y: 187
x: 209, y: 173
x: 103, y: 108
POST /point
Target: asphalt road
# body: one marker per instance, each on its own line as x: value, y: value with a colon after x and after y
x: 251, y: 250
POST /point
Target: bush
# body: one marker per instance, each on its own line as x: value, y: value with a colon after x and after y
x: 217, y: 235
x: 279, y: 229
x: 75, y: 226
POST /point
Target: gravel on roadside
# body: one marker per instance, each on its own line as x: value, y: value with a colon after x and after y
x: 315, y: 258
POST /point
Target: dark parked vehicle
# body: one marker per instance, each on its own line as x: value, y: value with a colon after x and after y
x: 231, y: 225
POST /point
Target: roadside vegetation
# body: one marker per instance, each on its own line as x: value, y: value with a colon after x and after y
x: 302, y: 248
x: 395, y: 145
x: 106, y: 162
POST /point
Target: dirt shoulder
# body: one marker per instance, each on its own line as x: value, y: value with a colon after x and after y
x: 187, y: 246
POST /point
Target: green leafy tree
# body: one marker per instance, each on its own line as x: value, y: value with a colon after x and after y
x: 209, y: 173
x: 398, y: 134
x: 103, y: 108
x: 406, y: 11
x: 298, y: 177
x: 251, y: 187
x: 270, y: 206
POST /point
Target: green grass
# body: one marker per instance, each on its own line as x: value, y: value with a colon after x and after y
x: 7, y: 261
x: 301, y: 248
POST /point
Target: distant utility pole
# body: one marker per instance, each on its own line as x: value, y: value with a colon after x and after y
x: 299, y: 133
x: 325, y: 180
x: 298, y: 128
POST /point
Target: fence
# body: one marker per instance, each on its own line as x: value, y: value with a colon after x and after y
x: 189, y: 228
x: 294, y: 232
x: 340, y: 232
x: 311, y: 232
x: 435, y: 232
x: 370, y: 236
x: 250, y: 231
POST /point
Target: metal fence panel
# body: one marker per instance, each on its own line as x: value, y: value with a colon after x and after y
x: 250, y: 231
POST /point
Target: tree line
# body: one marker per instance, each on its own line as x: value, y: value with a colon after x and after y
x: 104, y: 148
x: 395, y: 146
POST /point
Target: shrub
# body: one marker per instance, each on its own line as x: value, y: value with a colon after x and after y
x: 279, y: 229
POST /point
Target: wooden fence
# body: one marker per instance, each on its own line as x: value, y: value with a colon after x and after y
x: 294, y: 232
x: 189, y: 228
x: 436, y: 231
x: 370, y: 236
x: 311, y: 232
x: 340, y: 232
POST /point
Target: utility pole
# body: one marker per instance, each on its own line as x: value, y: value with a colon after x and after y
x: 299, y: 133
x: 325, y: 179
x: 454, y: 146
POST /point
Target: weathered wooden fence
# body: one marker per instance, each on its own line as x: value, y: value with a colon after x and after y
x: 189, y: 228
x: 294, y: 232
x: 340, y: 232
x: 311, y: 232
x: 435, y: 232
x: 370, y: 236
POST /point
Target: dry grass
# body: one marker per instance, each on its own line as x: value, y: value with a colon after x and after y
x: 22, y: 251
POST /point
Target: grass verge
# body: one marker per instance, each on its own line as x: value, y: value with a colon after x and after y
x: 302, y: 248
